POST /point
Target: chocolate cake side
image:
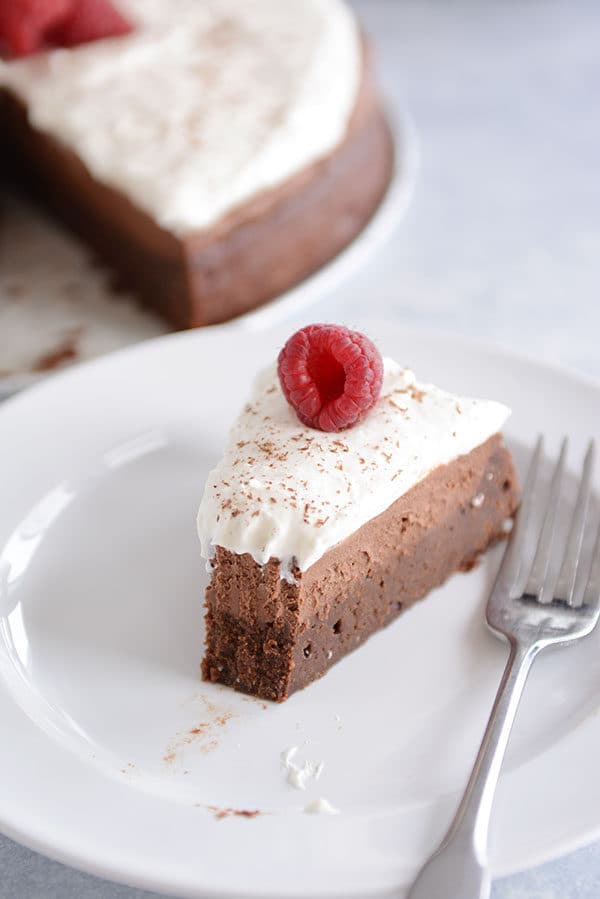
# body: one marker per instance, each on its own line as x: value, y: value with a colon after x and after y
x: 260, y: 249
x: 269, y: 638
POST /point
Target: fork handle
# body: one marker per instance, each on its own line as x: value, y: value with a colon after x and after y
x: 458, y: 867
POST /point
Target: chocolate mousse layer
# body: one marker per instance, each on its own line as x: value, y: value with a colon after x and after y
x: 268, y: 637
x: 253, y: 254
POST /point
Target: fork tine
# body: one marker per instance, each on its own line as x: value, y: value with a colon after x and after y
x: 565, y: 586
x: 537, y: 580
x: 511, y: 562
x: 591, y: 596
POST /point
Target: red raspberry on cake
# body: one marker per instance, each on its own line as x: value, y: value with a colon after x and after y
x: 28, y: 26
x: 330, y: 375
x: 90, y: 20
x: 24, y: 24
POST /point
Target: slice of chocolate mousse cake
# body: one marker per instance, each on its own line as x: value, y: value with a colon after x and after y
x: 346, y: 492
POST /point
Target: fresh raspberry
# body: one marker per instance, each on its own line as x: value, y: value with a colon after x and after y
x: 90, y: 20
x: 24, y: 24
x: 27, y: 26
x: 330, y: 375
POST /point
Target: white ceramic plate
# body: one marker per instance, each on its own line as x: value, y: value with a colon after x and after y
x: 57, y: 307
x: 113, y: 749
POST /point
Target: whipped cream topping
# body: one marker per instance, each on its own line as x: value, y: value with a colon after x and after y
x: 204, y: 105
x: 286, y: 491
x: 299, y: 775
x: 320, y: 806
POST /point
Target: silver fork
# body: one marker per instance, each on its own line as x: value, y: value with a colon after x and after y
x: 532, y: 606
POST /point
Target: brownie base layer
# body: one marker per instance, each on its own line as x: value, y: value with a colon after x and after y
x: 253, y: 254
x: 269, y: 638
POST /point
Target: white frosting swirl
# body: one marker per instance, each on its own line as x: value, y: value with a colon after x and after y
x: 204, y: 105
x: 286, y: 491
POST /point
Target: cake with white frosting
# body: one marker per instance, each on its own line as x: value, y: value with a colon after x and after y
x: 214, y: 155
x: 315, y: 539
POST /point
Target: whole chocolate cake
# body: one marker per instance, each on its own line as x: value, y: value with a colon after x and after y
x: 214, y: 154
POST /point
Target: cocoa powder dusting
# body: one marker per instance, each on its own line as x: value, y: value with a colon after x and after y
x: 204, y: 733
x: 221, y: 813
x: 65, y: 352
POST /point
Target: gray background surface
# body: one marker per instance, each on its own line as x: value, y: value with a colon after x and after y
x: 502, y: 241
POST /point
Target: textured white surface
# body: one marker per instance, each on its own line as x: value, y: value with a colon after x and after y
x: 204, y: 104
x: 286, y: 491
